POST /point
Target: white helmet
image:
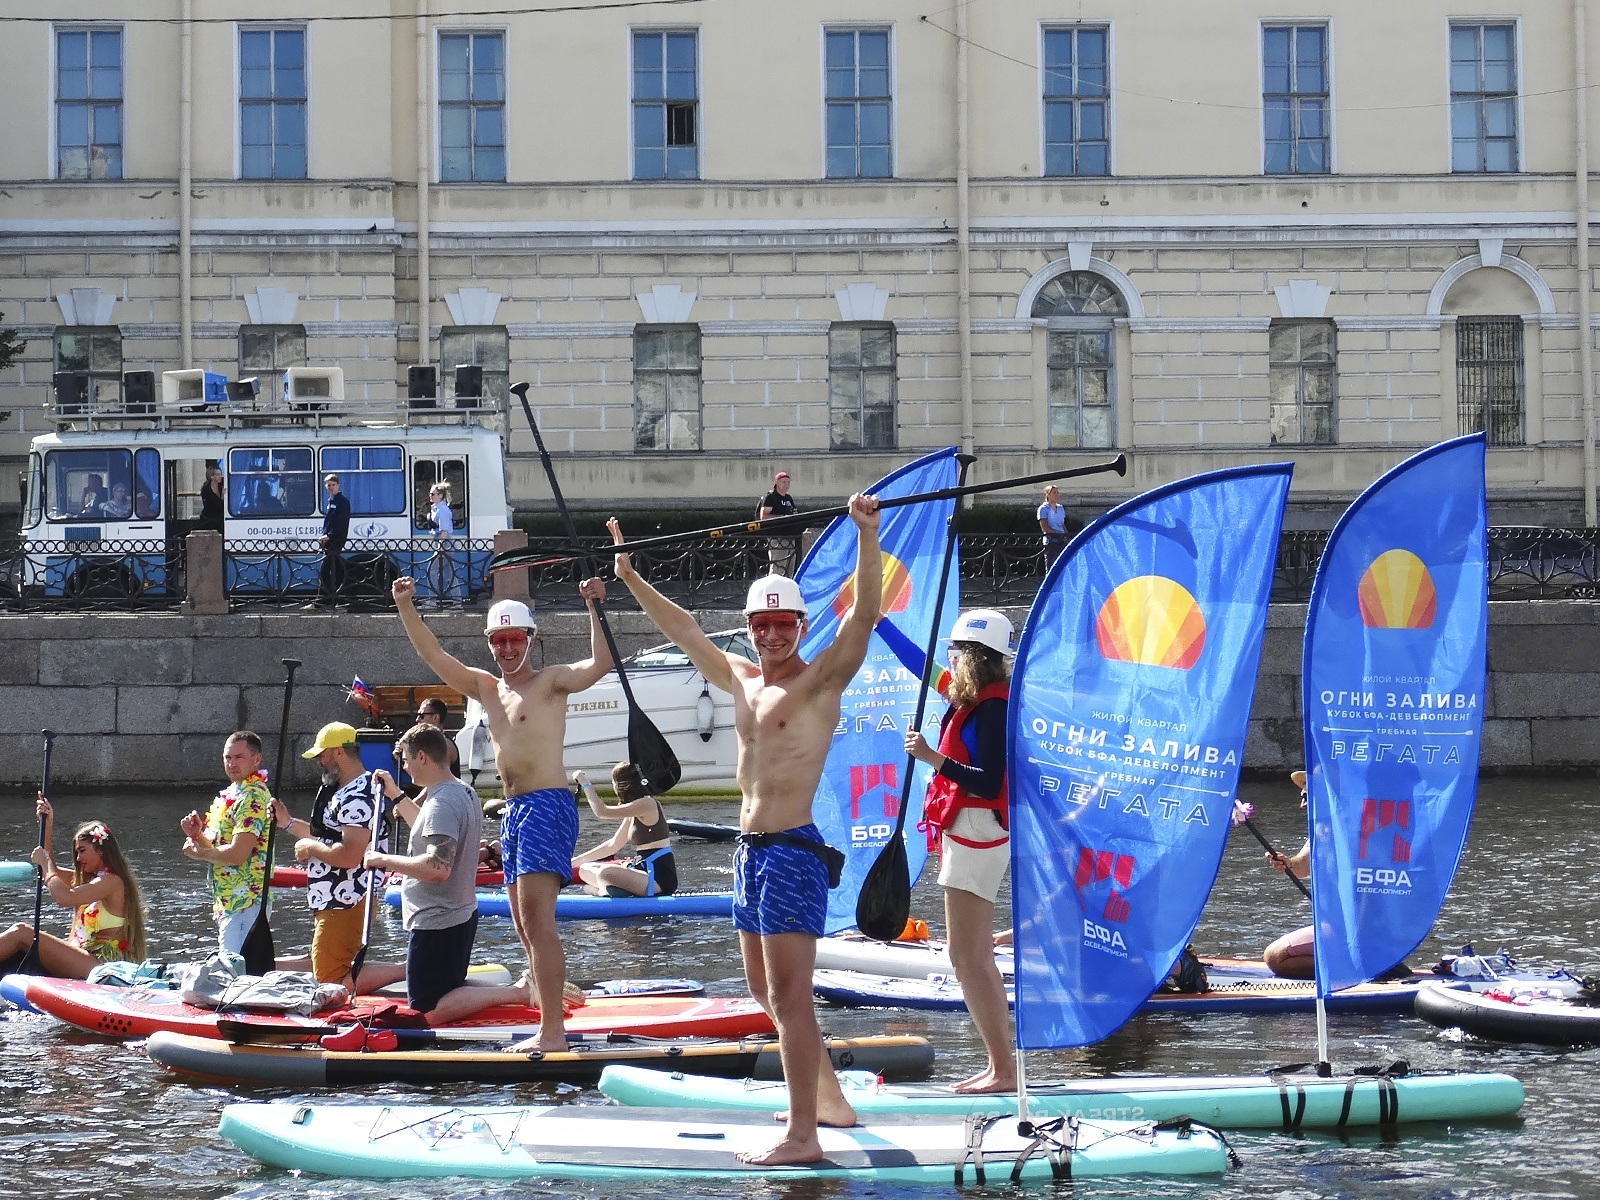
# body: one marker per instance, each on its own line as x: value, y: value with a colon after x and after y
x: 986, y: 627
x: 774, y: 593
x: 510, y: 614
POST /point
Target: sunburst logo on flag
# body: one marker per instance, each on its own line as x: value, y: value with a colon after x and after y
x: 1397, y: 592
x: 896, y: 588
x: 1151, y: 620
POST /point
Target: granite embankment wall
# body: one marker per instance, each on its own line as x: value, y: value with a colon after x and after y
x: 146, y: 699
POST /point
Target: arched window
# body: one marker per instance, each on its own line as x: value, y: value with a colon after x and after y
x: 1080, y: 307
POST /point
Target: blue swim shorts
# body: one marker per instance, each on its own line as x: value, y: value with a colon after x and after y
x: 780, y: 889
x: 539, y: 833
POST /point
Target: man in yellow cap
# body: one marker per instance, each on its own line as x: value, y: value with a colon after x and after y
x: 331, y: 845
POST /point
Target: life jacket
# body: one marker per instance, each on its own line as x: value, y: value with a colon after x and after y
x: 945, y: 797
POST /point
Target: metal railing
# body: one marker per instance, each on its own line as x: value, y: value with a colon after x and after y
x: 997, y: 570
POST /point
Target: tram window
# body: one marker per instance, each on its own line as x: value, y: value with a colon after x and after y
x: 373, y: 478
x: 271, y: 482
x: 425, y: 472
x: 146, y: 485
x: 79, y: 482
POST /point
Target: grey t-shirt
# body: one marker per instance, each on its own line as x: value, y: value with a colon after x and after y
x: 449, y: 810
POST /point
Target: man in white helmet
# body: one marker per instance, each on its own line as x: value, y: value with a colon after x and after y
x: 785, y: 710
x: 527, y: 714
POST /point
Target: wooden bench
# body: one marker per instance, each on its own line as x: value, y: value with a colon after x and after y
x: 398, y: 703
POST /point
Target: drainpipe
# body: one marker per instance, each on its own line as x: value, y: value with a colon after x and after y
x: 424, y: 178
x: 1580, y: 102
x: 964, y: 232
x: 185, y: 188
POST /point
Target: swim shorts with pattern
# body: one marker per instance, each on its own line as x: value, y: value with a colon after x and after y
x: 779, y: 888
x: 540, y: 833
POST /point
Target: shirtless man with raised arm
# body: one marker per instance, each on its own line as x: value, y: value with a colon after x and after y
x: 785, y: 711
x: 527, y: 712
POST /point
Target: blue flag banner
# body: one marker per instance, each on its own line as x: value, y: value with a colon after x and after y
x: 1129, y: 702
x: 1393, y: 685
x: 859, y: 795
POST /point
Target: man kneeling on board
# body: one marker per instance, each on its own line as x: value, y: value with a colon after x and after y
x: 438, y: 897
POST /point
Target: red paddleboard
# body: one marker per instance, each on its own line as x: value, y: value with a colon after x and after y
x: 139, y: 1012
x: 295, y: 877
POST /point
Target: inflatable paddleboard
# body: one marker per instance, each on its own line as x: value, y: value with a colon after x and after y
x: 918, y: 960
x: 295, y: 877
x: 705, y: 831
x: 1510, y: 1016
x: 651, y: 1145
x: 581, y: 906
x: 311, y: 1066
x: 1229, y: 1102
x: 18, y: 872
x: 140, y: 1012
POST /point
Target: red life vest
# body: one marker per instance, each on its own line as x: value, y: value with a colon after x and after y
x: 945, y: 797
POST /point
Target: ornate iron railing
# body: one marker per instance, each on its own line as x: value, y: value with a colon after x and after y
x: 273, y: 574
x: 91, y: 576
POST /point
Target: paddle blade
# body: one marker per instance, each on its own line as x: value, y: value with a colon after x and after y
x: 884, y: 902
x: 648, y: 750
x: 257, y: 951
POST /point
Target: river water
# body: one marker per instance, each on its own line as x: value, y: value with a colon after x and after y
x: 86, y: 1117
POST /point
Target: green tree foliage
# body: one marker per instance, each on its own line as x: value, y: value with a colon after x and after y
x: 11, y: 347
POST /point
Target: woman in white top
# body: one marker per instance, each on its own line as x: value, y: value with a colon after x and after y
x: 442, y: 571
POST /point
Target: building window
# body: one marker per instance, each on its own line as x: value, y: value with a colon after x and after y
x: 1489, y: 378
x: 1080, y: 308
x: 666, y: 387
x: 472, y: 108
x: 1300, y: 378
x: 1294, y: 99
x: 666, y: 106
x: 1483, y: 98
x: 1077, y: 133
x: 88, y: 364
x: 266, y: 352
x: 272, y: 103
x: 89, y: 103
x: 859, y: 118
x: 861, y: 375
x: 487, y: 347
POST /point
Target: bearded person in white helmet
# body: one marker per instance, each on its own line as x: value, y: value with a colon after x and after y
x: 785, y: 710
x: 527, y: 713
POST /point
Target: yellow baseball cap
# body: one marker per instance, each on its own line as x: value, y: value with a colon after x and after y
x: 335, y: 733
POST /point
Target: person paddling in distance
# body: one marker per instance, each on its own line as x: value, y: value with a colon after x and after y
x: 785, y: 712
x: 527, y: 715
x: 108, y: 924
x: 438, y: 897
x: 966, y: 816
x: 652, y: 870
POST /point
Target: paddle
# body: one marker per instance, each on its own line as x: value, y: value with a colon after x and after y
x: 30, y: 961
x: 375, y: 880
x: 534, y: 557
x: 647, y: 748
x: 1241, y: 816
x: 260, y: 956
x: 884, y: 902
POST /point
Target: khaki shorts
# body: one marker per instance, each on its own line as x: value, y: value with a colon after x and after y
x: 335, y: 942
x: 967, y: 868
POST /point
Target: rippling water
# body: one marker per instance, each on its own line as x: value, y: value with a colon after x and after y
x: 82, y: 1116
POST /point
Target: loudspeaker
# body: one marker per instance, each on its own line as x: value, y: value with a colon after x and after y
x: 243, y: 391
x: 422, y: 385
x: 72, y: 392
x: 469, y: 385
x: 139, y: 391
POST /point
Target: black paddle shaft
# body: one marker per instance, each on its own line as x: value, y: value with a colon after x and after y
x: 259, y: 953
x: 32, y: 956
x: 667, y: 775
x: 1293, y: 878
x: 375, y: 880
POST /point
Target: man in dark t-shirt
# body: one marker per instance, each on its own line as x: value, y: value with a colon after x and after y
x: 335, y: 532
x: 782, y: 552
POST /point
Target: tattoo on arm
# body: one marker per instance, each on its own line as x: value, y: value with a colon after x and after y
x: 440, y: 849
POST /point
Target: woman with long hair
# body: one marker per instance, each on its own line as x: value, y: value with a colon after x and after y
x: 965, y: 813
x: 108, y: 917
x: 651, y: 870
x: 212, y: 492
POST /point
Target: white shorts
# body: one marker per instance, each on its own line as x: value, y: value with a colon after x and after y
x: 233, y: 928
x: 967, y: 868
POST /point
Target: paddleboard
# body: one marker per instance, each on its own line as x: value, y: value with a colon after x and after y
x: 920, y: 959
x: 140, y: 1012
x: 590, y: 1142
x: 295, y: 877
x: 581, y: 906
x: 1228, y: 1102
x: 705, y: 831
x: 18, y: 872
x: 1511, y: 1016
x: 311, y: 1066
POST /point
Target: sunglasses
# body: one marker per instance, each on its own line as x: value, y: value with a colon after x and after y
x: 774, y: 624
x: 428, y: 715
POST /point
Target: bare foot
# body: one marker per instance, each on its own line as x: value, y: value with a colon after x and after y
x: 985, y: 1082
x: 540, y: 1044
x: 789, y: 1150
x: 834, y: 1118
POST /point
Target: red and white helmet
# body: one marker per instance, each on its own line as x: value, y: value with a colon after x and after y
x: 510, y: 614
x: 774, y: 593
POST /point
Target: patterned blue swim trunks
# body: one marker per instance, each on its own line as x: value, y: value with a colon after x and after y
x: 780, y: 889
x: 539, y: 833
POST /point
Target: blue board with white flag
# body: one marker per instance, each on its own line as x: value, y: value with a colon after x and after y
x: 858, y: 796
x: 1129, y: 704
x: 1393, y: 688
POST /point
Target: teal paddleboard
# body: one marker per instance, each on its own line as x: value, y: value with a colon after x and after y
x: 397, y: 1141
x: 1228, y: 1102
x: 17, y: 872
